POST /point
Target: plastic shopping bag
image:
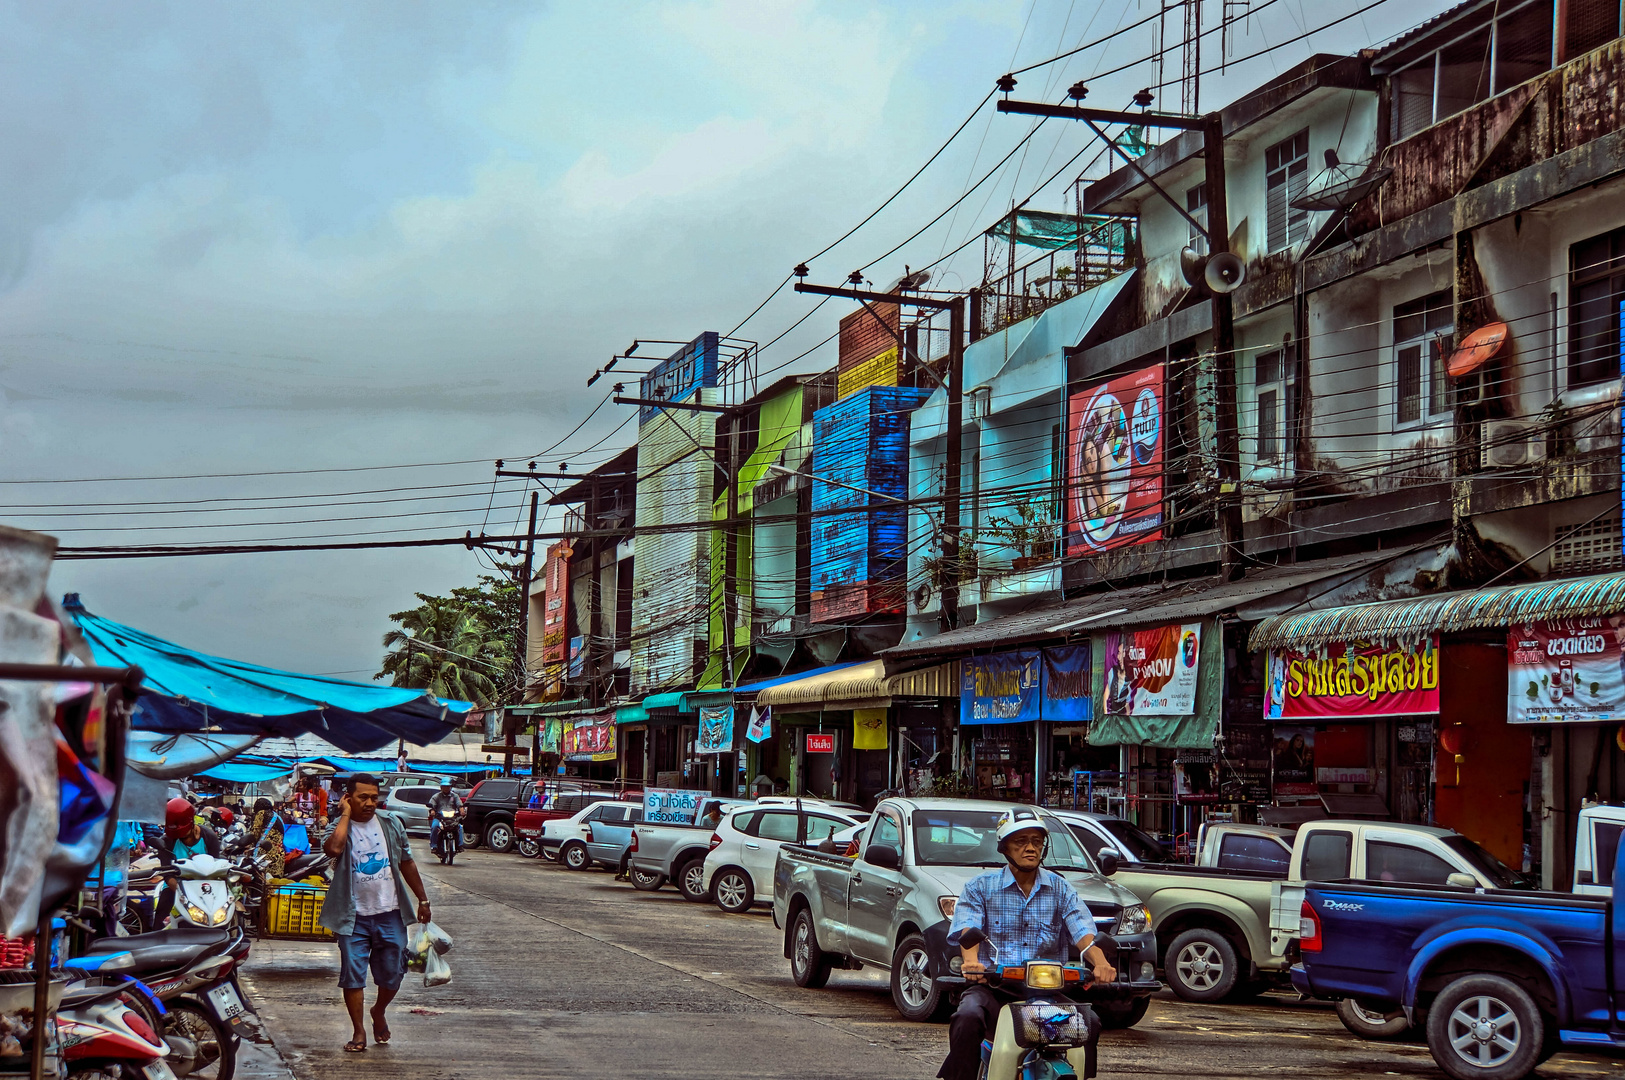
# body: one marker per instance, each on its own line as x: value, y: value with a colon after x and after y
x: 422, y: 937
x: 436, y: 972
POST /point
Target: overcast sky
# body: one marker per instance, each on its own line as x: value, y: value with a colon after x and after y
x: 282, y: 238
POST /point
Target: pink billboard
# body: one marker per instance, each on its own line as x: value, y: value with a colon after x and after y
x: 1115, y: 435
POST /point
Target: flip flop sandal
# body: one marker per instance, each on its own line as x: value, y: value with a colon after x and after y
x: 380, y: 1033
x: 355, y: 1046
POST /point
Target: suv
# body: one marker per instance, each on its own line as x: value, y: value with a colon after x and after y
x: 410, y: 803
x: 491, y: 806
x: 745, y: 847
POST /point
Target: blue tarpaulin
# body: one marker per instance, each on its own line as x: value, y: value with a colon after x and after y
x: 186, y: 690
x: 245, y: 772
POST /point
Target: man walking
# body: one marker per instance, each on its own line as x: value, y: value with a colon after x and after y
x: 372, y: 868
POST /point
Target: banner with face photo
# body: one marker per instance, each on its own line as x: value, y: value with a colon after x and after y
x: 1293, y: 761
x: 1152, y: 672
x: 1114, y: 457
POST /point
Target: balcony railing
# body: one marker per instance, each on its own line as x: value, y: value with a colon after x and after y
x: 1096, y: 249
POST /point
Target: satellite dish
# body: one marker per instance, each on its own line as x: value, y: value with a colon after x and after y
x: 1341, y: 185
x: 1191, y: 265
x: 1476, y: 349
x: 1224, y: 273
x: 909, y: 282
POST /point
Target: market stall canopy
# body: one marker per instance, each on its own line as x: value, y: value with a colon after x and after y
x: 1418, y: 617
x: 188, y: 691
x: 246, y: 772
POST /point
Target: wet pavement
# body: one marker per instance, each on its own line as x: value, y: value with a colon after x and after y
x: 559, y: 973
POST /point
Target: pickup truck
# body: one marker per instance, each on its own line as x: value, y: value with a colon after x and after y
x: 1504, y: 979
x: 890, y: 907
x: 1221, y: 931
x: 676, y: 852
x: 529, y: 822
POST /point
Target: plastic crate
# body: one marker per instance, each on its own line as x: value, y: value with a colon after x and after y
x: 290, y: 912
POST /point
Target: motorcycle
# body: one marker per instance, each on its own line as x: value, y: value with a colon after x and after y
x: 1042, y: 1033
x: 102, y: 1034
x: 207, y: 891
x: 445, y: 834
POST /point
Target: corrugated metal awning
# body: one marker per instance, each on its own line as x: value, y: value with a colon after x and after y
x: 1474, y: 609
x: 941, y: 681
x: 858, y: 686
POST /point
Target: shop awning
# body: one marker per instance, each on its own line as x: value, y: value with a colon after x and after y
x: 861, y: 685
x: 1417, y: 617
x: 941, y: 681
x: 246, y: 772
x: 551, y: 708
x: 190, y: 691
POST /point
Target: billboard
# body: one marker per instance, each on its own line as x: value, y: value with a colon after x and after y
x: 1152, y: 672
x: 591, y: 738
x: 1566, y: 672
x: 1115, y: 437
x: 1023, y: 685
x: 555, y: 619
x: 1353, y: 679
x: 690, y: 368
x: 672, y: 806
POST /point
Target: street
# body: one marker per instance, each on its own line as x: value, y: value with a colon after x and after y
x: 557, y: 973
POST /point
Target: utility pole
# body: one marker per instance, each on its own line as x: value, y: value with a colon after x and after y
x: 730, y: 551
x: 523, y: 641
x: 948, y: 573
x: 1217, y: 231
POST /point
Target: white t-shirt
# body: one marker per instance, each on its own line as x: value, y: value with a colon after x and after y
x: 372, y: 882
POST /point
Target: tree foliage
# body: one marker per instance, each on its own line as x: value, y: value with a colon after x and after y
x: 462, y: 646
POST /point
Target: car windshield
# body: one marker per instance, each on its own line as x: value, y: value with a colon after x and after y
x: 970, y: 838
x: 1140, y: 844
x: 1497, y: 871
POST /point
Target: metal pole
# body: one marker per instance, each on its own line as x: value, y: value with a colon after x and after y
x: 730, y: 553
x: 1224, y: 347
x: 949, y: 585
x: 522, y: 641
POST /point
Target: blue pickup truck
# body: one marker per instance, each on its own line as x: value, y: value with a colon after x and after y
x: 1505, y: 979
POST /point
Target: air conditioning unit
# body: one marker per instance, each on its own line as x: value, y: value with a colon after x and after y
x: 979, y: 403
x: 1511, y: 444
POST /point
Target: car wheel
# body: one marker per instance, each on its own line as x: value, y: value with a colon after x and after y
x: 529, y: 848
x: 691, y: 880
x: 1485, y: 1027
x: 1201, y: 965
x: 913, y: 990
x: 809, y: 965
x: 647, y: 881
x: 1121, y: 1015
x: 1370, y: 1023
x: 574, y: 856
x: 732, y: 890
x: 499, y: 836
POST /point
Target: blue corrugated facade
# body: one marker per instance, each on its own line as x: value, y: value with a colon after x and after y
x: 859, y: 561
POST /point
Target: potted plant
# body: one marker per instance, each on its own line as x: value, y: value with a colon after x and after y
x: 1030, y: 529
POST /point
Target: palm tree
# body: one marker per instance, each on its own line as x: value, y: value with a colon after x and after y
x: 443, y: 649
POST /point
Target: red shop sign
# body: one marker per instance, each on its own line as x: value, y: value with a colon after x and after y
x: 820, y: 743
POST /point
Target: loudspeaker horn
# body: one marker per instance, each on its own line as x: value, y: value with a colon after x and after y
x: 1224, y: 273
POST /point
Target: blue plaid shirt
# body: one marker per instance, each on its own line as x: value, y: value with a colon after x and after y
x: 1023, y: 928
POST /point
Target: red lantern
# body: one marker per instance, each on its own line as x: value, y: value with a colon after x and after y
x: 1453, y: 739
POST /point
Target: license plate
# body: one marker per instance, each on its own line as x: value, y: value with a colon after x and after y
x: 227, y: 1005
x: 158, y: 1070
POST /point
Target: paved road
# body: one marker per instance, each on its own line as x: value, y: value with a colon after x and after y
x: 574, y: 974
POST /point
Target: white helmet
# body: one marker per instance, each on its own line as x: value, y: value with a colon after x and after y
x: 1020, y: 819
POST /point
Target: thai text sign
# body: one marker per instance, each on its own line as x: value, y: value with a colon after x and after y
x: 1353, y: 679
x: 671, y: 806
x: 1152, y: 672
x: 1568, y: 671
x: 820, y: 742
x: 1114, y: 452
x: 1024, y: 685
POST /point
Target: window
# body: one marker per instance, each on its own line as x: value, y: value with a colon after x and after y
x: 819, y: 826
x: 1269, y: 384
x: 778, y: 826
x: 1286, y: 174
x: 1605, y: 846
x: 614, y: 814
x: 1464, y: 75
x: 418, y: 795
x: 1326, y: 856
x: 1141, y: 845
x: 1402, y: 864
x: 1591, y: 23
x: 746, y: 823
x: 1196, y: 206
x: 1253, y: 853
x: 1092, y: 842
x: 1523, y: 45
x: 887, y: 833
x: 1596, y: 301
x: 1422, y: 330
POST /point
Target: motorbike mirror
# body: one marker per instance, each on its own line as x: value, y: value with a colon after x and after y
x: 1108, y: 862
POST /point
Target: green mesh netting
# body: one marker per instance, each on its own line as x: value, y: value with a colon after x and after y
x: 1042, y: 229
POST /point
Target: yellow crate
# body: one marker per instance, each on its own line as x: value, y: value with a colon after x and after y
x: 291, y: 910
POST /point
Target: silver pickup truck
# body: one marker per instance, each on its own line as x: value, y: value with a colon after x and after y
x: 675, y: 852
x: 890, y: 906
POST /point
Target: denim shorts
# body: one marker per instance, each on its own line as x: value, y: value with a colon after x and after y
x: 379, y: 942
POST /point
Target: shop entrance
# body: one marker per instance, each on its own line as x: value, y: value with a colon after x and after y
x: 1483, y: 762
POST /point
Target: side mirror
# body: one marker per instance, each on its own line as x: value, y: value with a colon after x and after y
x: 883, y: 855
x: 1108, y: 862
x: 1461, y: 881
x: 1584, y: 877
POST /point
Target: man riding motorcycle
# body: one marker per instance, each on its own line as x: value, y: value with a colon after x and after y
x: 183, y: 838
x: 1025, y: 913
x: 440, y: 800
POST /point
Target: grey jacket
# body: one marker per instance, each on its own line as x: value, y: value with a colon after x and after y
x: 338, y: 910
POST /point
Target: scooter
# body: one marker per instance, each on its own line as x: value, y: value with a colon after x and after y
x: 207, y: 891
x: 445, y: 834
x: 103, y: 1035
x: 1042, y: 1033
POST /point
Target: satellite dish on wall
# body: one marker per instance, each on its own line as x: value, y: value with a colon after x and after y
x: 1340, y: 185
x: 1477, y: 349
x: 1224, y: 273
x: 909, y: 282
x: 1191, y: 265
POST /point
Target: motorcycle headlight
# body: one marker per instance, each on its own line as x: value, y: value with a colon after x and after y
x: 1135, y: 919
x: 1045, y: 976
x: 197, y: 914
x: 221, y: 916
x: 946, y: 905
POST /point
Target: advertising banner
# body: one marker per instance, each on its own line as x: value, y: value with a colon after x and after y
x: 1000, y: 688
x: 869, y: 729
x: 1068, y: 697
x: 1567, y: 672
x: 555, y: 619
x: 1294, y: 761
x: 672, y: 806
x: 1152, y: 672
x: 590, y: 739
x: 1353, y: 679
x: 760, y: 728
x: 1114, y: 453
x: 716, y: 730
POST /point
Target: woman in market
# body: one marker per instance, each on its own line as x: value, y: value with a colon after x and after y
x: 266, y: 836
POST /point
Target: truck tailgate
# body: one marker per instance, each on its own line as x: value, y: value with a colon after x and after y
x: 1286, y: 915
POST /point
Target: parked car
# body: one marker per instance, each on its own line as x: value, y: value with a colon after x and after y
x: 558, y: 803
x: 745, y: 847
x: 1504, y: 979
x: 891, y: 906
x: 1595, y: 842
x: 410, y: 803
x: 676, y: 852
x: 1104, y: 832
x: 600, y: 832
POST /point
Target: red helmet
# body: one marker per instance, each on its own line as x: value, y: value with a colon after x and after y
x: 178, y: 817
x: 226, y: 816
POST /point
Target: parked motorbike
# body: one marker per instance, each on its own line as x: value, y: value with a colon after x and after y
x: 1042, y: 1033
x: 103, y: 1035
x: 446, y: 834
x: 207, y: 892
